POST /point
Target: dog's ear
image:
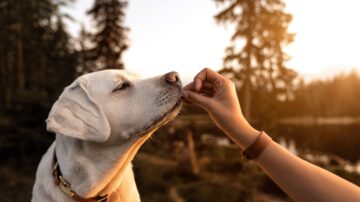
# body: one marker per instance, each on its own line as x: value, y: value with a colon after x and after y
x: 76, y: 114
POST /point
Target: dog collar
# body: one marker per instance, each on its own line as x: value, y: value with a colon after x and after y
x: 65, y: 187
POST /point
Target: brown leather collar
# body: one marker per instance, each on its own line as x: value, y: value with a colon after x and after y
x: 66, y: 187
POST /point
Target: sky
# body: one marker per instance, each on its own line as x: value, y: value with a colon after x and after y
x: 182, y: 36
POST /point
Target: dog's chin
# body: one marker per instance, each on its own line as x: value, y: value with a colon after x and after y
x: 162, y: 119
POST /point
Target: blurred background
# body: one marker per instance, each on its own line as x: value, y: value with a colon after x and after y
x: 295, y: 64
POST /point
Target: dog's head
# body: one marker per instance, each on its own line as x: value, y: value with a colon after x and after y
x: 115, y: 105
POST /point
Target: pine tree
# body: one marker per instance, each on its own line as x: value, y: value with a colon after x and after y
x: 62, y: 57
x: 255, y: 58
x: 30, y: 52
x: 24, y: 24
x: 84, y: 64
x: 110, y: 41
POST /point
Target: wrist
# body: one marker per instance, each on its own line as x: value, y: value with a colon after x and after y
x: 244, y: 134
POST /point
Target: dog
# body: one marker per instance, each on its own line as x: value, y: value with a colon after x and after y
x: 100, y: 121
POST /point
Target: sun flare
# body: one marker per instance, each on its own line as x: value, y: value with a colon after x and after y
x: 327, y: 37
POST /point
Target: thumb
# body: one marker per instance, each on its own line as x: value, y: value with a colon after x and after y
x: 197, y: 99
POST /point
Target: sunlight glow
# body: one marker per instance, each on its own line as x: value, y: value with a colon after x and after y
x: 327, y: 37
x: 183, y: 36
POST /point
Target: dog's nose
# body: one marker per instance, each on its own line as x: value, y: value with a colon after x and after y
x: 172, y: 78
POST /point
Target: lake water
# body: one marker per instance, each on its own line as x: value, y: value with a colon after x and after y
x: 342, y: 140
x: 323, y: 142
x: 339, y: 140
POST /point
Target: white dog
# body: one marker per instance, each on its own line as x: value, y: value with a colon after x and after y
x: 100, y: 122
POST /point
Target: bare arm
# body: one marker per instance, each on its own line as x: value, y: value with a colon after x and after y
x: 301, y: 180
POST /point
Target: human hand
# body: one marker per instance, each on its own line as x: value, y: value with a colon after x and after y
x: 217, y: 95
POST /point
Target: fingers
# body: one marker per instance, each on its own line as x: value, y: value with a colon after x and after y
x: 203, y: 85
x: 207, y: 90
x: 207, y: 84
x: 197, y: 98
x: 191, y: 86
x: 205, y: 75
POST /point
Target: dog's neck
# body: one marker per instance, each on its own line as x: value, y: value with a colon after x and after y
x: 94, y: 169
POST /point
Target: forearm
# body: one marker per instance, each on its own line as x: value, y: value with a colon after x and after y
x: 239, y: 131
x: 301, y: 180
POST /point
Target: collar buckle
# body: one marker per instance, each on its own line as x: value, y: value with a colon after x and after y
x: 65, y: 187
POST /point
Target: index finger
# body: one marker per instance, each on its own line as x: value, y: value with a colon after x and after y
x: 205, y: 75
x: 205, y: 84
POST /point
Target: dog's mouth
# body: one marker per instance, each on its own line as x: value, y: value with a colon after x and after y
x: 162, y: 119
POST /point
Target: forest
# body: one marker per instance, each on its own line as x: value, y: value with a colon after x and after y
x: 36, y: 46
x: 38, y: 58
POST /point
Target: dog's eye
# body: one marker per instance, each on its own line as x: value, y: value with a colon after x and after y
x: 123, y: 86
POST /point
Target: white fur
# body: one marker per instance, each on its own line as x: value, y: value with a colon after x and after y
x: 99, y: 130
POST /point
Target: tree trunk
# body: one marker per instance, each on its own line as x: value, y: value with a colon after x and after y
x: 248, y: 71
x: 20, y: 51
x: 3, y: 78
x: 8, y: 98
x: 192, y: 153
x: 7, y: 76
x: 246, y: 101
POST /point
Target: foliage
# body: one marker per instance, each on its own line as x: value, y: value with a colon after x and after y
x: 36, y: 59
x: 85, y: 65
x: 333, y: 97
x: 255, y: 59
x: 110, y: 41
